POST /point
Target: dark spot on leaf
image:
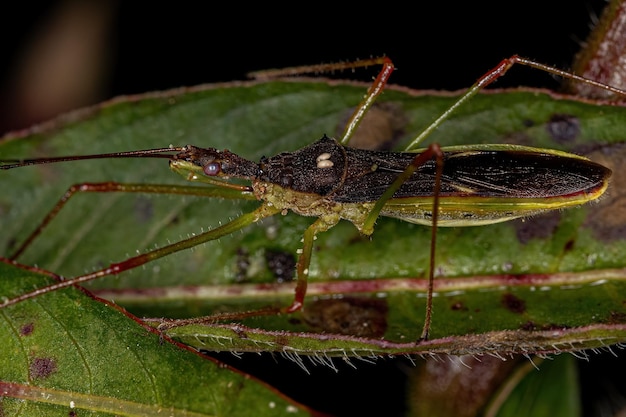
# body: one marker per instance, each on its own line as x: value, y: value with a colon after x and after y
x: 281, y: 264
x: 42, y: 368
x: 540, y: 227
x: 27, y: 329
x: 458, y: 306
x: 617, y: 317
x: 144, y: 209
x: 294, y: 321
x: 563, y: 128
x: 72, y: 413
x: 380, y: 129
x: 569, y: 245
x: 532, y: 326
x: 513, y: 304
x: 242, y: 265
x: 528, y: 326
x: 12, y: 243
x: 365, y: 317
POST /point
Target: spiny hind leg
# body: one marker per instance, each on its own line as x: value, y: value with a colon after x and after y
x: 304, y: 261
x: 302, y: 275
x: 432, y: 152
x: 491, y: 76
x: 109, y: 187
x: 142, y: 259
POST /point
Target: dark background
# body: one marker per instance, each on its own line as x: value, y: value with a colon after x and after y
x: 147, y: 46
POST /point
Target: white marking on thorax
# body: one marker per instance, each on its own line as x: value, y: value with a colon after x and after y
x: 323, y: 160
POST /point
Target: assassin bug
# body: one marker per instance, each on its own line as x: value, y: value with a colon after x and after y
x: 459, y: 186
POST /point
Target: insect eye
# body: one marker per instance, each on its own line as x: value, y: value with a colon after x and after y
x: 212, y: 169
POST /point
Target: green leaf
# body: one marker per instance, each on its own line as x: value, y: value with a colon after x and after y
x: 67, y: 353
x: 551, y: 283
x: 552, y: 392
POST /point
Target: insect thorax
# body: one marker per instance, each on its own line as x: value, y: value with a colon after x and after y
x: 307, y: 182
x: 312, y: 205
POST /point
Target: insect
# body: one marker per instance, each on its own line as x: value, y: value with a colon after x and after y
x: 327, y: 180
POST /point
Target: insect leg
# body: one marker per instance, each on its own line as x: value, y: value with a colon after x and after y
x: 491, y: 76
x: 271, y: 74
x: 370, y: 97
x: 433, y: 151
x: 304, y: 260
x: 130, y: 263
x: 106, y: 187
x: 368, y: 100
x: 302, y: 270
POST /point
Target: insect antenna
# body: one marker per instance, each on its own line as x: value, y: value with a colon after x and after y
x: 145, y: 153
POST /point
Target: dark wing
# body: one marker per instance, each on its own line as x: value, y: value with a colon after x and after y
x: 519, y: 174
